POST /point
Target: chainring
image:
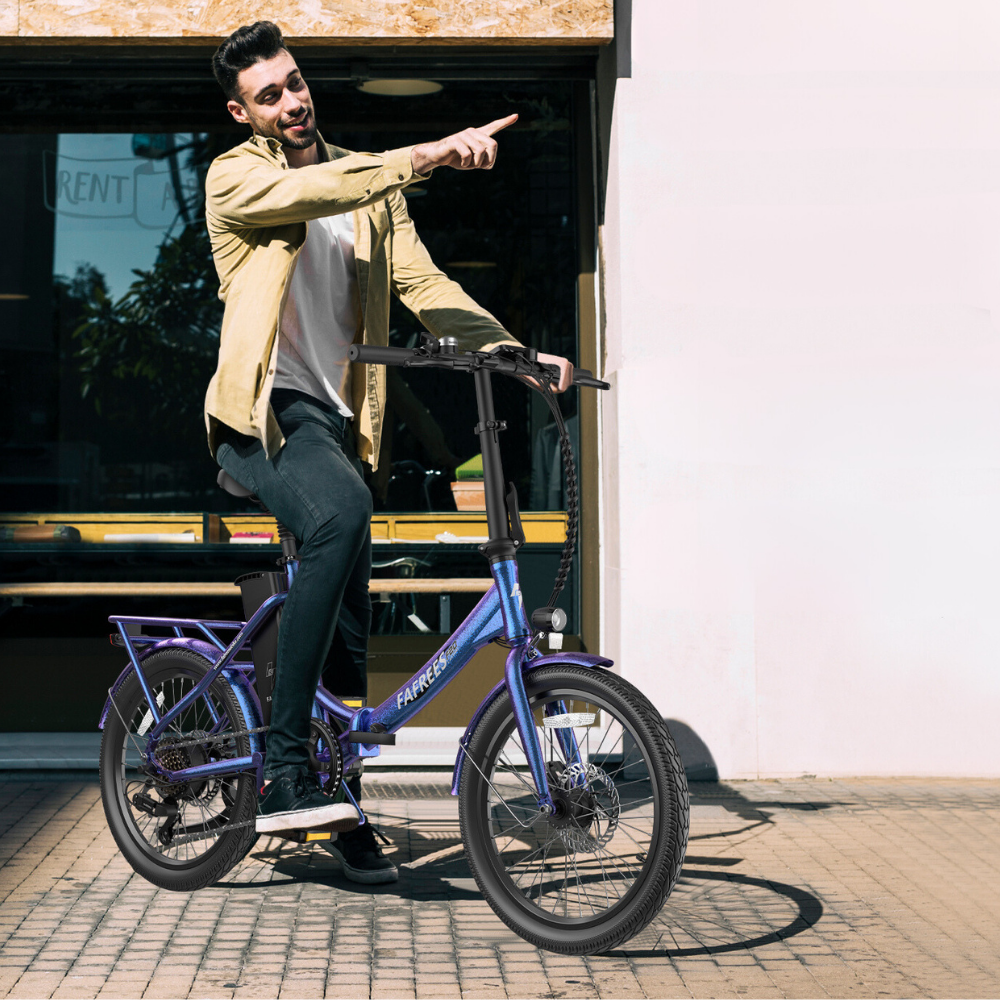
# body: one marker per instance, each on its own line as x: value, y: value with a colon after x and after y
x: 325, y: 756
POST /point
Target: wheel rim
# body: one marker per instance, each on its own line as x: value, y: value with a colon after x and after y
x: 192, y: 815
x: 589, y: 859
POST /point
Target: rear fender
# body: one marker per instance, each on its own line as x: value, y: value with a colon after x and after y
x: 246, y: 695
x: 575, y: 659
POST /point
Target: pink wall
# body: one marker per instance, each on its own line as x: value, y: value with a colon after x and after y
x: 802, y: 454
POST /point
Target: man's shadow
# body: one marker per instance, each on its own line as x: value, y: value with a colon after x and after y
x: 443, y: 877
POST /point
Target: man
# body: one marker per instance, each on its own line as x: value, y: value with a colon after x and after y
x: 308, y: 240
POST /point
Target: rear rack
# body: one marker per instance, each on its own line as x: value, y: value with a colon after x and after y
x: 181, y: 628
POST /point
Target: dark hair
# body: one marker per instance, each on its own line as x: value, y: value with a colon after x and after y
x: 245, y: 46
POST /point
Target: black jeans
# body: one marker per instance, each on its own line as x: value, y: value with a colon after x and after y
x: 314, y: 486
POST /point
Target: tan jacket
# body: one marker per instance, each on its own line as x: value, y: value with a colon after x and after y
x: 257, y: 210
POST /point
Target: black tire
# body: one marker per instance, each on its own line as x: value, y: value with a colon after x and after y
x: 196, y: 845
x: 626, y: 847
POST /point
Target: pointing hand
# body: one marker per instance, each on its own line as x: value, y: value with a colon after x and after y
x: 470, y: 149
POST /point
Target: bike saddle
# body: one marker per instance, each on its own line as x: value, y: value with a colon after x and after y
x: 230, y: 485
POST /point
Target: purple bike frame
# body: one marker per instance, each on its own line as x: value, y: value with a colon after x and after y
x: 500, y: 613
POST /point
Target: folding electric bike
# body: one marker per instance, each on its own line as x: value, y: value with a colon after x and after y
x: 572, y: 798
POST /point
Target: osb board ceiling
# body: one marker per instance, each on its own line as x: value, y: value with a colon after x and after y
x: 551, y: 22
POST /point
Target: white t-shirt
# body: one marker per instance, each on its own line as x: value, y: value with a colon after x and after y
x: 321, y: 315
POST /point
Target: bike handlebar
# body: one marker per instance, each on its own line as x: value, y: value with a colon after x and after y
x: 370, y: 355
x: 510, y: 362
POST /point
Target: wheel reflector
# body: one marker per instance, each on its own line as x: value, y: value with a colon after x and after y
x: 569, y: 720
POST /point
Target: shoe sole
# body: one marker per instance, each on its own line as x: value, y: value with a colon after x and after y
x: 337, y: 817
x: 359, y: 874
x: 338, y: 826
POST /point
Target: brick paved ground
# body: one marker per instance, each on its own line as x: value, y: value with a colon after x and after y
x: 794, y: 888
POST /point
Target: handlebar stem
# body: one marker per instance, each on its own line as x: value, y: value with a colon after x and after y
x: 489, y: 443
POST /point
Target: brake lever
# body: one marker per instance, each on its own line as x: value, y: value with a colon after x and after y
x: 526, y: 363
x: 429, y: 342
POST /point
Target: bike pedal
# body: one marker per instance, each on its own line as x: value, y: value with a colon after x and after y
x: 304, y: 836
x: 313, y: 836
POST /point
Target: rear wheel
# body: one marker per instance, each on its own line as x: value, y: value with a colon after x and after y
x: 597, y: 870
x: 186, y: 835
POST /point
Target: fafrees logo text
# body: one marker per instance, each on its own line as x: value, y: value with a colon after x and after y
x: 426, y: 678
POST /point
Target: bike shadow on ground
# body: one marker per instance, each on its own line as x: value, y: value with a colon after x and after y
x: 707, y: 790
x: 745, y: 813
x: 429, y: 869
x: 712, y: 910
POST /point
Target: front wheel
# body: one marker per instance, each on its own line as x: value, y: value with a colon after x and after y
x: 593, y: 873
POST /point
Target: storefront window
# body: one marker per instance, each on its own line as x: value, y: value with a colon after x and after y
x: 109, y: 314
x: 112, y: 318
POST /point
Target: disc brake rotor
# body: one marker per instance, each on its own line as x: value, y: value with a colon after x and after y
x: 590, y: 797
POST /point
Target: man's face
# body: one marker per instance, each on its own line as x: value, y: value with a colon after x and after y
x: 276, y: 102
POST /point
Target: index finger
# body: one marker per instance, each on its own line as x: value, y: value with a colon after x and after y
x: 500, y: 123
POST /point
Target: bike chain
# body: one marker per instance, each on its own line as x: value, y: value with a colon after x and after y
x: 203, y: 741
x: 189, y: 838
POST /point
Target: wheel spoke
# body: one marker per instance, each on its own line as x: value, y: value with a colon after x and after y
x: 189, y: 808
x: 603, y: 821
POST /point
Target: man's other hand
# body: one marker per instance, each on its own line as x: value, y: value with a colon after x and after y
x: 565, y: 370
x: 470, y: 149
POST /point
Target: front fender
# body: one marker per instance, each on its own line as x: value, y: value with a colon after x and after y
x: 576, y: 659
x: 244, y: 690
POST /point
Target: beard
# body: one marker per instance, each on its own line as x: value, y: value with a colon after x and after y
x: 284, y: 134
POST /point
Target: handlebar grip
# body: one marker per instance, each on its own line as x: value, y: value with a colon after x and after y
x: 583, y: 377
x: 370, y: 355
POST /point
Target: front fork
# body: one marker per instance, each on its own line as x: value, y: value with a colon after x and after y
x: 518, y: 634
x: 514, y: 677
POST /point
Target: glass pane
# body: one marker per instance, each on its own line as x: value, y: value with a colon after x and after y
x: 111, y: 325
x: 109, y: 314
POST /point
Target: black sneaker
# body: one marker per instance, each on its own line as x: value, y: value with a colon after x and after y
x: 296, y: 802
x: 361, y: 857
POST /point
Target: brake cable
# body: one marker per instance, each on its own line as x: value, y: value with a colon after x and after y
x: 540, y: 382
x: 572, y: 488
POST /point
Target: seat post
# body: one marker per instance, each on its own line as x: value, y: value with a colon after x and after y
x: 289, y: 550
